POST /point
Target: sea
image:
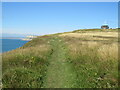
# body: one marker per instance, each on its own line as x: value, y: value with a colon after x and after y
x: 10, y: 44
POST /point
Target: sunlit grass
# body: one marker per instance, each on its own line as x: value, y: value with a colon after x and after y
x: 25, y: 67
x: 95, y: 61
x: 93, y: 55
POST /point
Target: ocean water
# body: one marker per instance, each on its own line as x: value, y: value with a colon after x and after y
x: 11, y: 44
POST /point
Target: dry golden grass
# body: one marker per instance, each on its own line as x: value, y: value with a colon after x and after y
x: 87, y: 34
x: 94, y: 55
x: 108, y: 52
x: 103, y: 51
x: 87, y: 43
x: 94, y: 36
x: 91, y: 44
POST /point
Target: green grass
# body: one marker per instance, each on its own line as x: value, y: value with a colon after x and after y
x: 53, y: 61
x: 93, y: 71
x: 25, y: 67
x: 60, y: 73
x: 103, y: 30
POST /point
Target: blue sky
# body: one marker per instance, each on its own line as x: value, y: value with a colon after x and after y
x: 52, y: 17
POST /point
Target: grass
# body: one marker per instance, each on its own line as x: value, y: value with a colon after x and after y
x: 85, y: 59
x: 95, y: 62
x: 103, y: 30
x: 25, y: 67
x: 60, y: 73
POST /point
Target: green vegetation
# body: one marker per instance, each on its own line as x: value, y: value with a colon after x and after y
x: 103, y: 30
x: 64, y: 60
x: 95, y: 63
x: 60, y: 72
x: 26, y: 67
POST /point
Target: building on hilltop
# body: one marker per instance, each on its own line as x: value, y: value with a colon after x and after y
x: 105, y: 26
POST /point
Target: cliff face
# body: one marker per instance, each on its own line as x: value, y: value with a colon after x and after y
x: 28, y: 38
x: 78, y: 59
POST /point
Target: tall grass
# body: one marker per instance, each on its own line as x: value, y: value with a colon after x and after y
x: 25, y: 67
x: 95, y: 62
x: 94, y: 56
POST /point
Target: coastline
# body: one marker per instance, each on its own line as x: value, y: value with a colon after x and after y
x: 23, y: 39
x: 9, y: 44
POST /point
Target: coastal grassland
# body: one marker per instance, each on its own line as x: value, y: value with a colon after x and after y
x: 25, y: 67
x: 78, y: 59
x: 93, y: 30
x: 95, y: 58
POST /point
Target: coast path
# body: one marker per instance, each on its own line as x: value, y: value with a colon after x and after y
x: 60, y: 72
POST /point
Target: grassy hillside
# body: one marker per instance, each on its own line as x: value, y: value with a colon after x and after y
x: 78, y: 59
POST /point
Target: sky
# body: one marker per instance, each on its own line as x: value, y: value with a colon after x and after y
x: 41, y: 18
x: 60, y: 0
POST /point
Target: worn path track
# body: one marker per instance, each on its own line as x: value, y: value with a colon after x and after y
x: 60, y: 73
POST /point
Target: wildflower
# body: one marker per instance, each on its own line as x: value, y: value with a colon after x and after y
x: 95, y: 73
